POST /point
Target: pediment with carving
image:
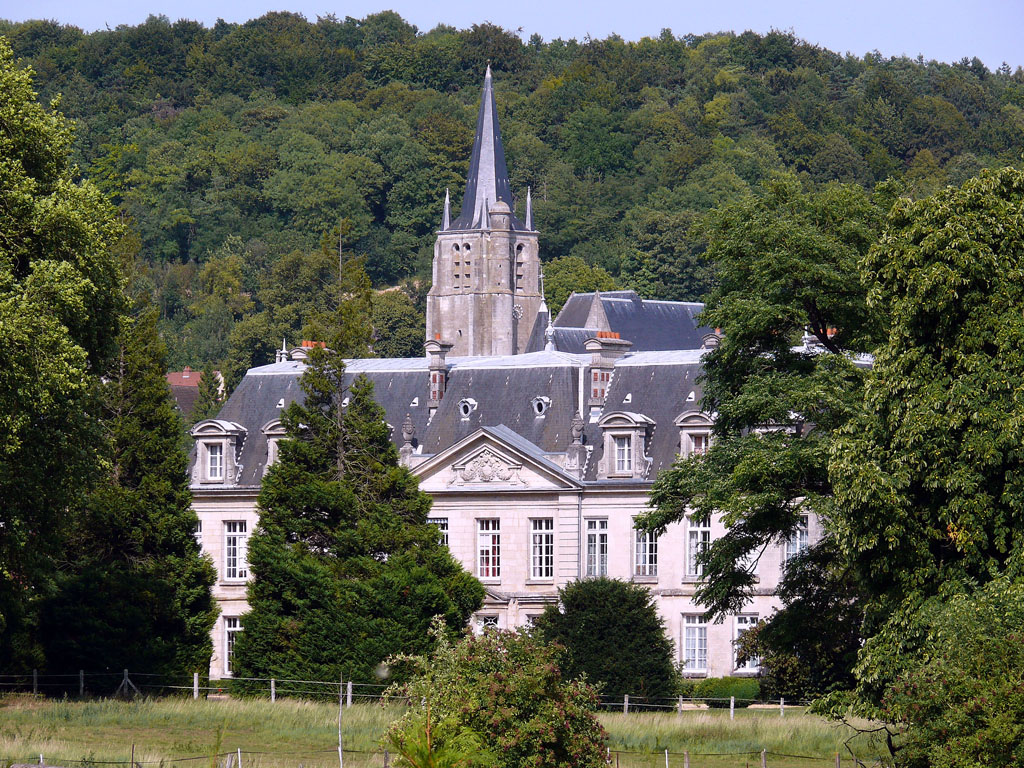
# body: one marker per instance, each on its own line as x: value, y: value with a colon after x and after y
x: 487, y: 466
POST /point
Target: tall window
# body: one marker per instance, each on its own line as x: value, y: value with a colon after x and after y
x: 232, y: 626
x: 542, y: 548
x: 489, y: 549
x: 697, y: 542
x: 198, y: 533
x: 797, y: 543
x: 236, y: 550
x: 646, y: 561
x: 597, y: 547
x: 215, y: 461
x: 695, y: 643
x: 744, y: 624
x: 442, y: 526
x: 623, y: 453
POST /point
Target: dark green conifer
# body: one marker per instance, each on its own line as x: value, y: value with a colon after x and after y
x: 210, y: 399
x: 345, y: 569
x: 134, y: 591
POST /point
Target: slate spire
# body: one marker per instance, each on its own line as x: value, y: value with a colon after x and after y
x: 487, y: 182
x: 446, y: 217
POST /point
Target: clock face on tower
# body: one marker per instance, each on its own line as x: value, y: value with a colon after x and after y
x: 517, y: 311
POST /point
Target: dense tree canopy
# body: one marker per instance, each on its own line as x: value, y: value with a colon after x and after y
x: 787, y: 265
x: 133, y: 591
x: 275, y: 130
x: 60, y: 296
x: 928, y: 478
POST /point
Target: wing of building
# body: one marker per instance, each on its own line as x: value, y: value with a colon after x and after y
x: 538, y: 438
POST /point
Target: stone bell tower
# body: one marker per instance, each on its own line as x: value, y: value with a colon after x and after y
x: 486, y: 293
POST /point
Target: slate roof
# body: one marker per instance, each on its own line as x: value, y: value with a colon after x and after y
x: 658, y: 384
x: 649, y: 324
x: 487, y: 181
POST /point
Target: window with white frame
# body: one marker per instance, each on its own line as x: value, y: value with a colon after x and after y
x: 744, y: 623
x: 695, y: 643
x: 697, y: 443
x: 698, y: 539
x: 236, y: 550
x: 488, y: 561
x: 542, y: 548
x: 198, y: 532
x: 597, y: 547
x: 442, y: 526
x: 232, y: 626
x: 798, y: 542
x: 646, y: 559
x: 623, y: 453
x: 215, y: 461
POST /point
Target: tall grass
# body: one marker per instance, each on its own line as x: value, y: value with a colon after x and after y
x: 291, y: 733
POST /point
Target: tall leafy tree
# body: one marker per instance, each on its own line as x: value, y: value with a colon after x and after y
x: 788, y: 266
x: 345, y: 569
x: 571, y: 273
x: 134, y: 591
x: 60, y: 295
x: 612, y: 633
x: 929, y: 478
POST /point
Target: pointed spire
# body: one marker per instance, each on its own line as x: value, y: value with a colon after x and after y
x: 529, y: 209
x: 487, y: 182
x: 446, y: 217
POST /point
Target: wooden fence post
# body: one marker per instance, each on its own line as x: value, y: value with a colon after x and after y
x: 732, y: 707
x: 625, y: 704
x: 348, y: 695
x: 195, y: 685
x: 35, y: 681
x: 81, y: 683
x: 764, y: 758
x: 273, y: 690
x: 839, y: 762
x: 782, y: 706
x: 666, y: 758
x: 679, y: 705
x: 686, y: 759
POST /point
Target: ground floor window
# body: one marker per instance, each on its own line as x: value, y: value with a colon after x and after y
x: 744, y: 623
x: 597, y: 547
x: 232, y: 626
x: 695, y: 643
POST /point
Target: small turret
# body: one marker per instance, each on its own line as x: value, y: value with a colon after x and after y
x: 446, y: 217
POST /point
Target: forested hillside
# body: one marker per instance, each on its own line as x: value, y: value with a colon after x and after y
x: 239, y: 153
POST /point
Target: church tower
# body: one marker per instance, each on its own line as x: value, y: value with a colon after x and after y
x: 486, y: 294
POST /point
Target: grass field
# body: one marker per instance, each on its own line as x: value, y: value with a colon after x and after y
x: 289, y: 734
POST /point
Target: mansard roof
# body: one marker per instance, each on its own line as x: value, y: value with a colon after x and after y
x: 487, y: 181
x: 649, y: 324
x: 659, y: 385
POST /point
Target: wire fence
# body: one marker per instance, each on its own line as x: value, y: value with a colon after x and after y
x: 124, y: 683
x: 241, y: 758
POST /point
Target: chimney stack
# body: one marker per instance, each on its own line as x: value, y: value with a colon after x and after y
x: 437, y: 350
x: 605, y: 349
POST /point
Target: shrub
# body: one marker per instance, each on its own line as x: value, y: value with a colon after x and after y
x: 720, y: 689
x: 613, y: 634
x: 507, y: 688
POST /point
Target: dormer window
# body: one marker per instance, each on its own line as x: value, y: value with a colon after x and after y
x: 218, y: 448
x: 275, y: 433
x: 625, y: 445
x: 540, y: 405
x: 694, y: 433
x: 214, y: 461
x: 466, y: 406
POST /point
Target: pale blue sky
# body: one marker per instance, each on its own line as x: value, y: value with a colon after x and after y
x: 947, y: 30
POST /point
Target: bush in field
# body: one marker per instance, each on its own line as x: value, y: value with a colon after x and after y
x: 506, y: 689
x: 963, y: 705
x: 612, y: 633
